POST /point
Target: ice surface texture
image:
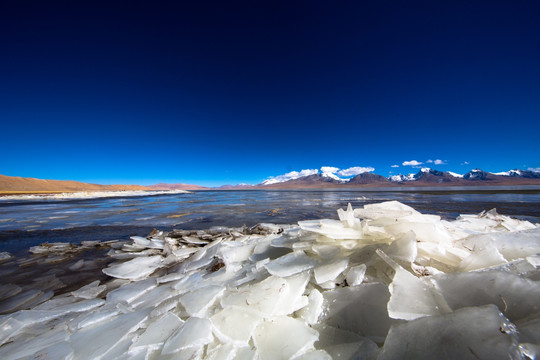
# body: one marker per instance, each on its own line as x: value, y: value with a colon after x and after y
x: 384, y: 281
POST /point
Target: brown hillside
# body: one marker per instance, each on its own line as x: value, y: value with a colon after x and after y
x: 10, y: 184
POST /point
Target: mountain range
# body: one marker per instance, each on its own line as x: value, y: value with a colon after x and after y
x: 424, y: 177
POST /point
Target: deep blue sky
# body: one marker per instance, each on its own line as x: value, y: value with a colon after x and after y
x: 229, y: 92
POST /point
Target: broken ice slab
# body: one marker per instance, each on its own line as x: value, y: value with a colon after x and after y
x: 425, y: 231
x: 403, y: 248
x: 412, y: 298
x: 136, y: 269
x: 272, y: 342
x: 313, y: 310
x: 343, y: 344
x: 89, y: 291
x: 469, y: 333
x: 387, y: 209
x: 108, y: 334
x: 360, y: 309
x: 290, y: 264
x: 235, y: 251
x: 235, y: 325
x: 158, y: 331
x: 515, y: 296
x: 270, y: 297
x: 184, y: 252
x: 482, y: 259
x: 9, y: 290
x: 198, y: 301
x: 333, y: 229
x: 347, y: 217
x: 9, y: 328
x: 34, y: 344
x: 511, y: 245
x: 329, y: 270
x: 355, y: 274
x: 129, y: 292
x: 194, y: 334
x: 22, y: 300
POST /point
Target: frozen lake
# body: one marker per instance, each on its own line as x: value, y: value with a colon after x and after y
x: 25, y: 223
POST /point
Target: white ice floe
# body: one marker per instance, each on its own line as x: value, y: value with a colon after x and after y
x: 382, y: 282
x: 90, y: 194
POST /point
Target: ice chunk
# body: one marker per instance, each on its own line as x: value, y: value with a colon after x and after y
x: 482, y: 259
x: 235, y: 325
x: 197, y: 302
x: 132, y: 291
x: 404, y: 248
x: 195, y: 333
x: 511, y: 245
x: 58, y: 351
x: 387, y: 209
x: 20, y: 301
x: 424, y: 231
x: 328, y: 271
x: 272, y: 344
x: 370, y: 319
x: 269, y: 297
x: 347, y: 217
x: 92, y: 318
x: 290, y: 264
x: 9, y: 328
x: 107, y: 334
x: 314, y: 308
x: 515, y: 296
x: 33, y: 344
x: 136, y: 269
x: 89, y: 291
x: 469, y: 333
x: 355, y: 275
x: 412, y: 298
x: 291, y: 298
x: 158, y: 331
x: 333, y: 229
x: 9, y: 290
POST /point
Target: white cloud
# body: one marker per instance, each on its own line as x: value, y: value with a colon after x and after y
x: 534, y: 169
x: 290, y: 176
x: 465, y: 163
x: 395, y: 166
x: 356, y: 170
x: 412, y: 163
x: 436, y: 162
x: 329, y: 169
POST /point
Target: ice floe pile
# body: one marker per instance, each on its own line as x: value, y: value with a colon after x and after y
x: 90, y: 194
x: 382, y: 282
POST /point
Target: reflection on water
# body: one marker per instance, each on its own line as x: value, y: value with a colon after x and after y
x: 31, y: 222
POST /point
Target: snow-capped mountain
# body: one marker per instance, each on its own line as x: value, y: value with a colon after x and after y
x: 520, y: 173
x: 401, y: 178
x: 328, y: 177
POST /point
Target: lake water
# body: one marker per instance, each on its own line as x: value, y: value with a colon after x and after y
x: 30, y: 222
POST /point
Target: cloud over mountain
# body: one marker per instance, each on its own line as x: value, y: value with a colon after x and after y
x: 412, y: 163
x: 356, y: 170
x: 326, y: 171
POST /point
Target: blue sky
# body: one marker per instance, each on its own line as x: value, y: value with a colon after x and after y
x: 229, y: 92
